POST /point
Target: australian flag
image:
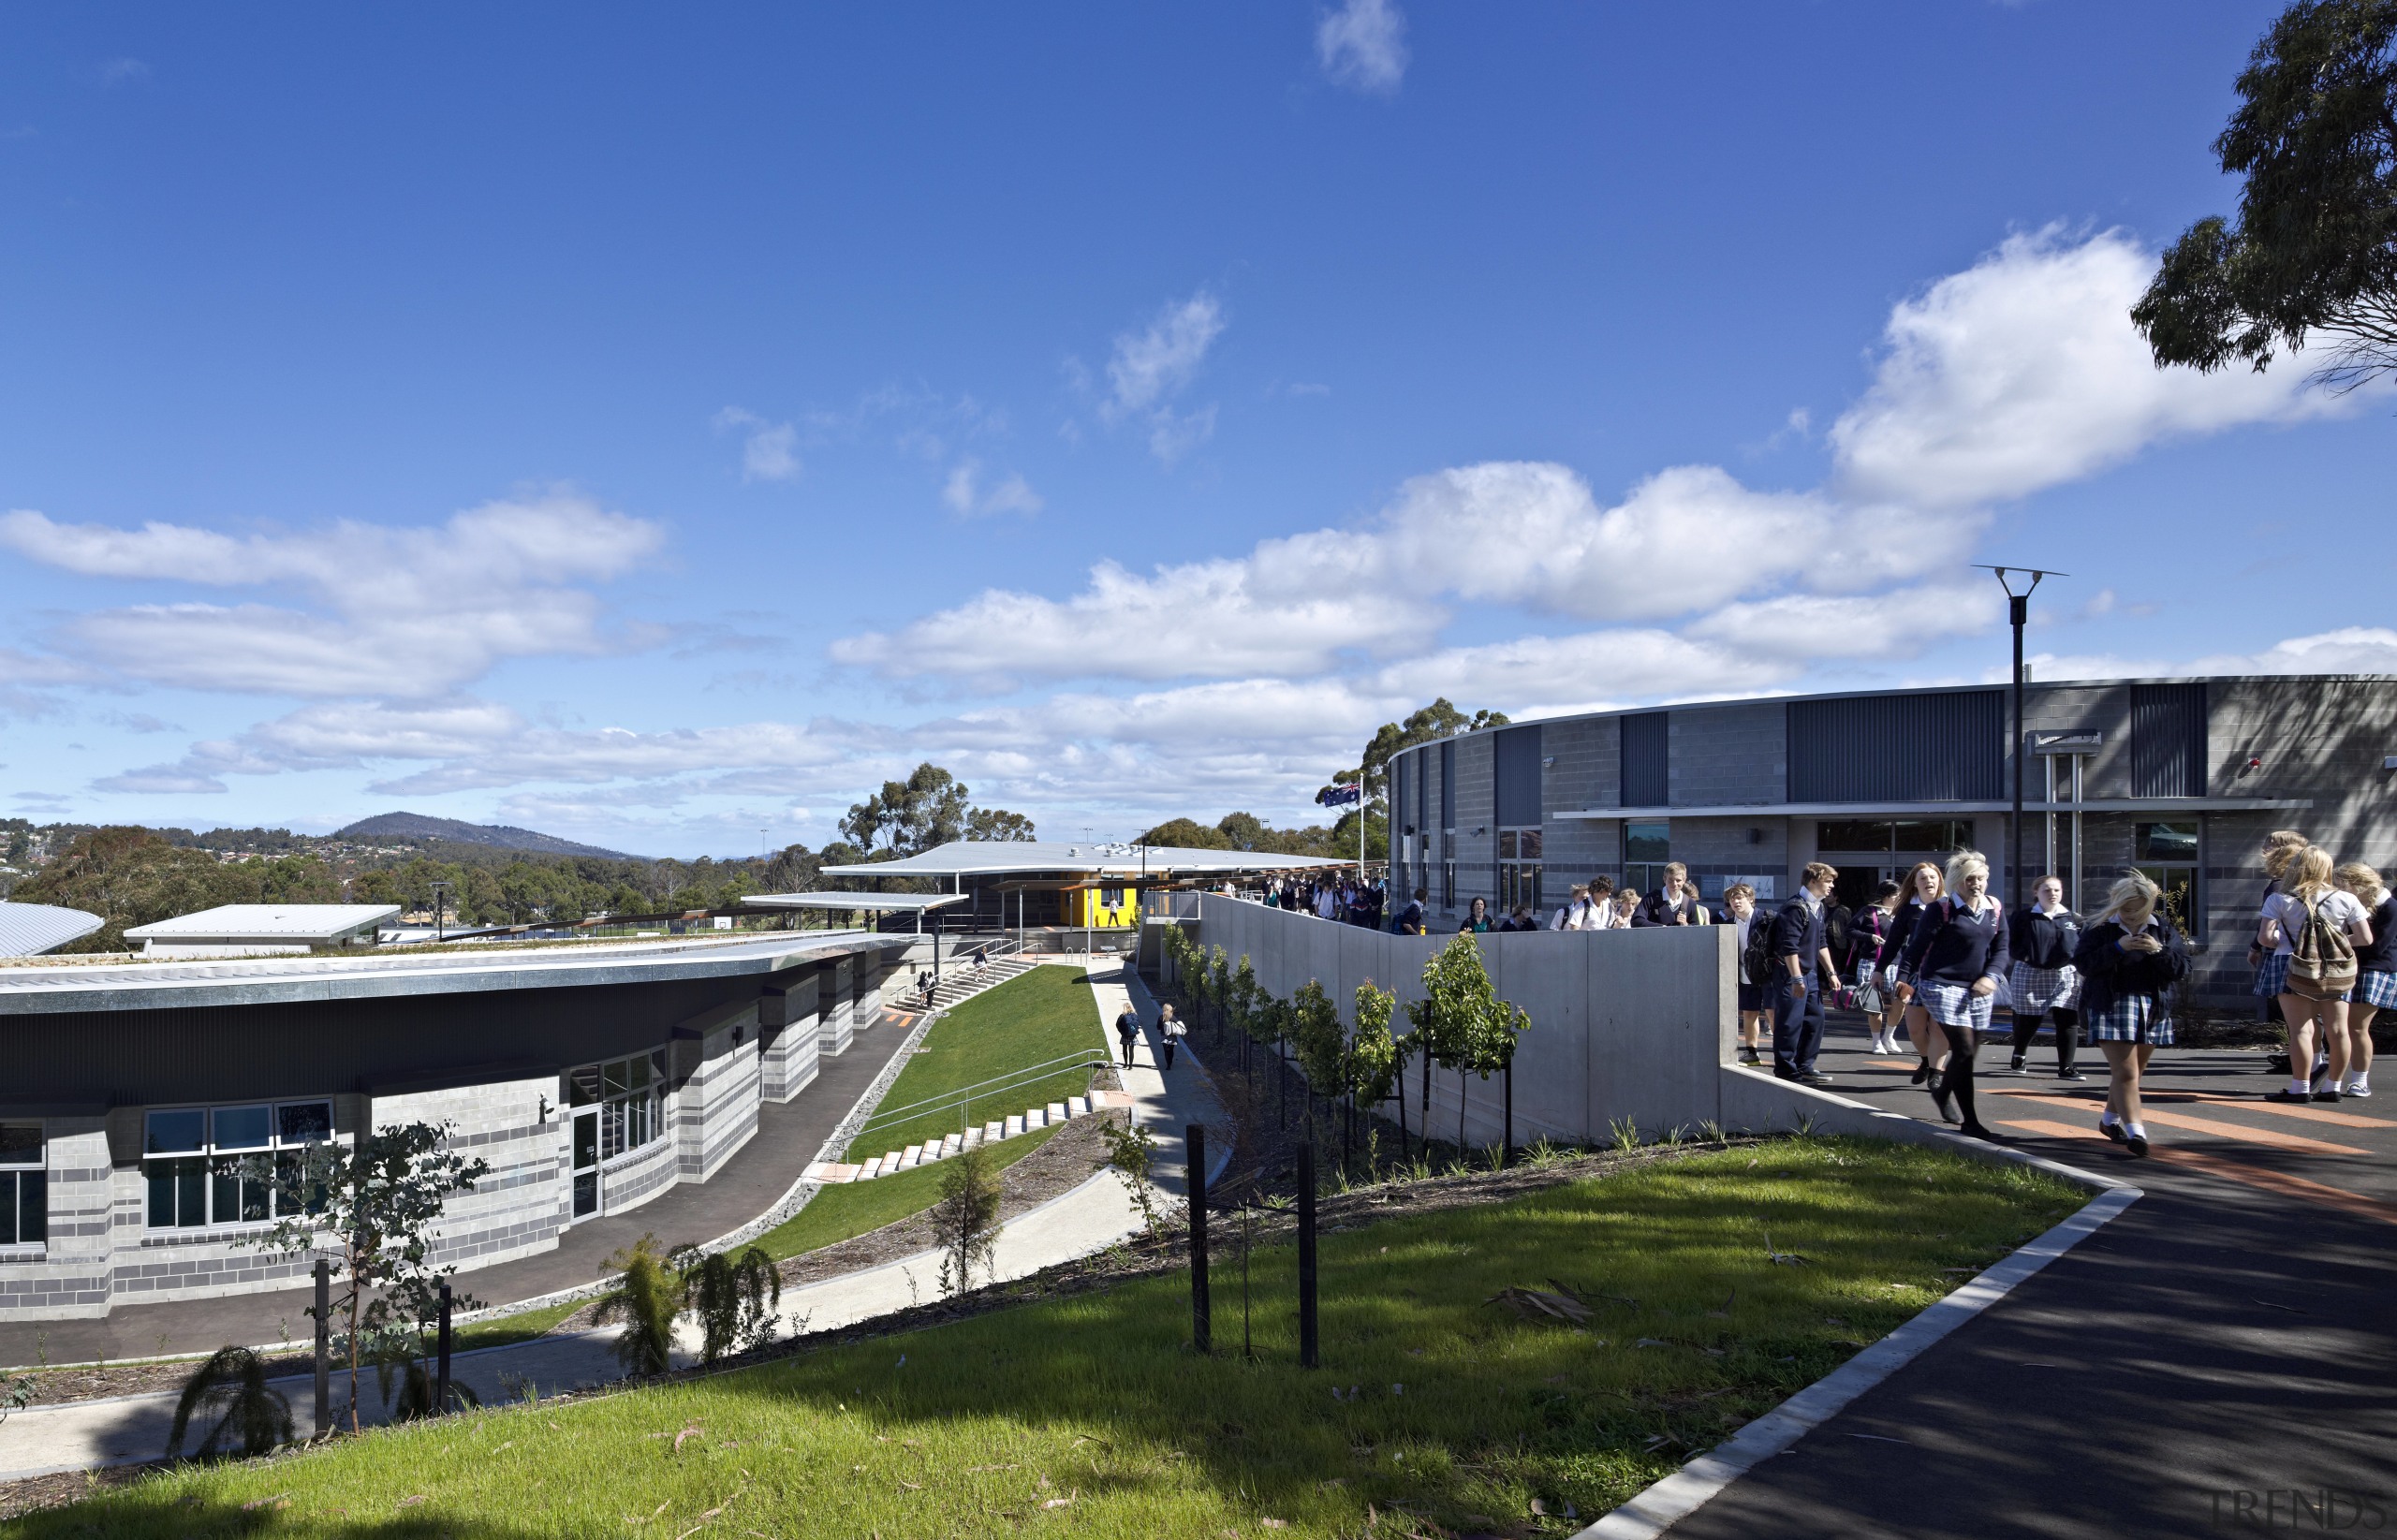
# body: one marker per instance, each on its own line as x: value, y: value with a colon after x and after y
x: 1340, y: 796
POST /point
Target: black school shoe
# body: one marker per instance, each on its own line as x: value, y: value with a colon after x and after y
x: 1921, y: 1072
x: 2136, y: 1143
x: 2330, y: 1095
x: 1750, y: 1056
x: 2070, y: 1075
x: 2016, y: 1067
x: 1947, y: 1103
x: 2115, y: 1132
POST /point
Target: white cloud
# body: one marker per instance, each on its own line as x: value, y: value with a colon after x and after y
x: 124, y: 71
x: 1170, y: 437
x: 407, y: 612
x: 769, y: 452
x: 964, y: 495
x: 2023, y: 372
x: 1362, y: 45
x: 1149, y: 367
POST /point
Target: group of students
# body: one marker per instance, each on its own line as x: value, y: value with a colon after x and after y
x: 1928, y: 955
x: 2323, y: 958
x: 1345, y: 900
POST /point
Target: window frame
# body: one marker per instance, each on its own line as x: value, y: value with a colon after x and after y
x: 624, y: 1109
x: 2185, y: 875
x: 207, y: 1177
x: 24, y: 1191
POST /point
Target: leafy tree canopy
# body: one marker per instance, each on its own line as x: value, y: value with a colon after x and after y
x: 929, y: 808
x: 2314, y: 250
x: 1438, y: 720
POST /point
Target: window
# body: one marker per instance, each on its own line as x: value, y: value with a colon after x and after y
x: 1519, y: 866
x: 1914, y: 836
x: 624, y: 1097
x: 1448, y: 865
x: 2167, y: 856
x: 1646, y: 848
x: 24, y: 1186
x: 202, y: 1163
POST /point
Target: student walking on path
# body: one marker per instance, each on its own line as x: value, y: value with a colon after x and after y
x: 2130, y: 959
x: 1958, y: 954
x: 2376, y: 975
x: 1127, y: 1032
x: 1169, y: 1032
x: 1800, y: 949
x: 1869, y: 939
x: 1674, y: 904
x: 2280, y: 846
x: 1924, y: 884
x: 1739, y: 911
x: 2315, y: 930
x: 2046, y: 987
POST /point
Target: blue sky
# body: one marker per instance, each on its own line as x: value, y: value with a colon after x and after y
x: 657, y: 427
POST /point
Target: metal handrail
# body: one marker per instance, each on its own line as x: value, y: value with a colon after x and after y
x: 966, y: 1094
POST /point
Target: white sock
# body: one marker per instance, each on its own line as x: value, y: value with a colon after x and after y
x: 2300, y: 1087
x: 2136, y: 1131
x: 2109, y: 1119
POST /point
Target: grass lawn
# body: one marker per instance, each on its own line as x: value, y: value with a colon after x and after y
x: 1030, y: 1020
x: 842, y: 1213
x: 1089, y: 1415
x: 521, y: 1327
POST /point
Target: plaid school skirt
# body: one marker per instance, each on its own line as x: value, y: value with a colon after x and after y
x: 1954, y: 1005
x: 2130, y: 1018
x: 2376, y: 988
x: 2044, y: 989
x: 2271, y: 975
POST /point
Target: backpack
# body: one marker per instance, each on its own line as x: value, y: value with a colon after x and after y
x: 2321, y: 961
x: 1757, y: 958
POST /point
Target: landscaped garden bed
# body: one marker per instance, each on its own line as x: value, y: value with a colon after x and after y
x: 1504, y: 1352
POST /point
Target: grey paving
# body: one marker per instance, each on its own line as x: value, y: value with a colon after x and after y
x: 2223, y: 1355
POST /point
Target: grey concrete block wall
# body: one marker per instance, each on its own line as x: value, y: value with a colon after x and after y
x: 520, y: 1206
x: 1476, y: 855
x: 1630, y: 1023
x: 715, y: 1107
x: 1581, y: 769
x: 69, y: 1275
x: 1729, y: 754
x: 836, y: 1007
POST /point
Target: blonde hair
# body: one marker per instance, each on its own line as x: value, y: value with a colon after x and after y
x: 2132, y: 894
x: 1675, y: 870
x: 2363, y: 882
x: 2308, y: 875
x: 1627, y: 895
x: 1913, y: 889
x: 1963, y: 864
x: 2280, y: 846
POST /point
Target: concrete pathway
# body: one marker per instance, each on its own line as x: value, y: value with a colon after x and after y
x: 2221, y: 1359
x: 1088, y: 1218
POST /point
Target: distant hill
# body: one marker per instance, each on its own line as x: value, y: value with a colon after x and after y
x: 416, y: 826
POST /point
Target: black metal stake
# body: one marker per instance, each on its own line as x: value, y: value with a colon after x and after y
x: 1507, y: 1141
x: 1248, y: 1232
x: 1310, y: 1348
x: 441, y: 1376
x: 1203, y: 1324
x: 324, y: 1346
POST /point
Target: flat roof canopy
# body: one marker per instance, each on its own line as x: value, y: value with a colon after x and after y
x: 897, y: 904
x: 1022, y: 857
x: 269, y: 922
x: 28, y: 930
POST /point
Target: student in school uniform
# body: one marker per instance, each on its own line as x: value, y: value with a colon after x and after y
x: 2307, y: 892
x: 2280, y: 846
x: 1802, y: 967
x: 1955, y: 959
x: 2129, y: 959
x: 1923, y: 887
x: 1739, y: 911
x: 1869, y: 939
x: 1674, y: 904
x: 2045, y: 936
x: 2376, y: 975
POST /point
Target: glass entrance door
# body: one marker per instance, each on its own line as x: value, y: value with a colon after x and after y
x: 586, y: 1162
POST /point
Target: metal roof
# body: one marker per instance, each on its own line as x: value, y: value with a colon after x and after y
x: 50, y: 988
x: 268, y: 922
x: 994, y: 858
x: 28, y: 930
x: 877, y: 902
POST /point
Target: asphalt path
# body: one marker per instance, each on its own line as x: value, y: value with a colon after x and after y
x: 2220, y: 1359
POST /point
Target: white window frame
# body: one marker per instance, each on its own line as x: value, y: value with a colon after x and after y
x: 27, y: 1180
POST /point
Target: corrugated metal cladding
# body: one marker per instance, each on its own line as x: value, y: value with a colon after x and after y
x: 2168, y: 740
x: 1415, y: 768
x: 1397, y: 772
x: 1447, y: 786
x: 1647, y: 759
x: 1933, y: 748
x: 1516, y: 792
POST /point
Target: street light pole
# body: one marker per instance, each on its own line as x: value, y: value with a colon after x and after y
x: 2017, y: 608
